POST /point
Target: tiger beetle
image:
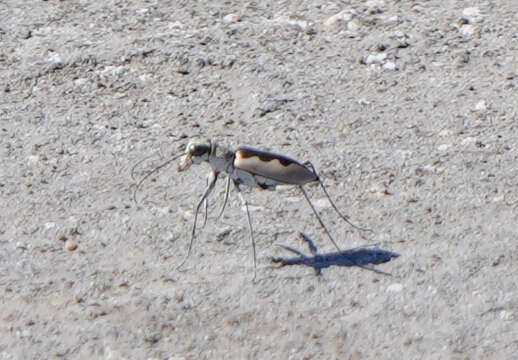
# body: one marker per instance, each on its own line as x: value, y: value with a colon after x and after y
x: 249, y: 167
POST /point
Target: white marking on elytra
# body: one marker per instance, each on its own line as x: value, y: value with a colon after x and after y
x: 249, y: 167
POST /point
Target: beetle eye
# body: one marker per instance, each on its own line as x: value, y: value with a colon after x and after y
x: 199, y: 150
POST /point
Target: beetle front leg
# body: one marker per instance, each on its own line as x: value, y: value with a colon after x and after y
x: 213, y: 176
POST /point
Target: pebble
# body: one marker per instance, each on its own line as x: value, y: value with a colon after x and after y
x: 379, y: 190
x: 70, y: 245
x: 375, y: 6
x: 353, y: 25
x: 467, y: 30
x: 231, y: 18
x: 50, y: 225
x: 300, y: 24
x: 468, y: 141
x: 481, y: 106
x: 443, y: 147
x: 445, y: 132
x: 142, y: 11
x: 374, y: 59
x: 321, y: 203
x: 343, y: 16
x: 471, y: 15
x: 55, y: 59
x: 389, y: 65
x: 506, y: 315
x: 253, y: 208
x: 395, y: 288
x: 113, y: 70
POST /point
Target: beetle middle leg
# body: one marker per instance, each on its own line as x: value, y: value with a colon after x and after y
x: 206, y: 205
x: 227, y: 190
x: 245, y: 204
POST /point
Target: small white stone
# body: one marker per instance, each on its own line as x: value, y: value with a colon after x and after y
x: 395, y: 288
x: 467, y: 30
x: 286, y: 20
x: 175, y: 25
x: 253, y: 208
x: 443, y: 147
x: 33, y: 158
x: 321, y: 203
x: 164, y: 210
x: 375, y: 5
x: 428, y: 168
x: 70, y: 245
x: 481, y: 106
x: 498, y: 198
x: 404, y: 154
x: 375, y: 58
x: 23, y: 334
x: 342, y: 17
x: 378, y: 190
x: 471, y: 15
x: 231, y: 18
x: 113, y: 70
x: 506, y: 315
x: 80, y: 81
x: 468, y: 141
x: 418, y: 9
x: 55, y: 59
x: 353, y: 25
x: 389, y: 65
x: 398, y: 34
x: 392, y: 20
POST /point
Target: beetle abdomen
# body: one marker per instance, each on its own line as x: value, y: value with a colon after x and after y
x: 273, y: 166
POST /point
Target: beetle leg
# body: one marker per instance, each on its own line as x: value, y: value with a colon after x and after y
x: 344, y: 217
x: 318, y: 217
x: 206, y: 202
x: 245, y: 204
x: 227, y: 190
x: 213, y: 176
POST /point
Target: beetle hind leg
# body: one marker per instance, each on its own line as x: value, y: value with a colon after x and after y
x: 319, y: 218
x: 333, y: 205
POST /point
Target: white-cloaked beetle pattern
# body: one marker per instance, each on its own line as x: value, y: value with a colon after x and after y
x: 248, y: 167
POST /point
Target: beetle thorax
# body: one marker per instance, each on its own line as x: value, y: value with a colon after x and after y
x: 221, y: 158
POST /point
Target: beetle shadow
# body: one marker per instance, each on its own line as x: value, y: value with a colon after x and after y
x: 361, y: 257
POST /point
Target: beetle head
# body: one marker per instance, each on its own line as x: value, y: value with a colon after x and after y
x: 195, y: 153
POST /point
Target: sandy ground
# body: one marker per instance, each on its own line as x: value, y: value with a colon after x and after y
x: 408, y: 110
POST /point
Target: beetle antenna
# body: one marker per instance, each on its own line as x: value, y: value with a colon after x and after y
x: 151, y: 173
x: 137, y: 164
